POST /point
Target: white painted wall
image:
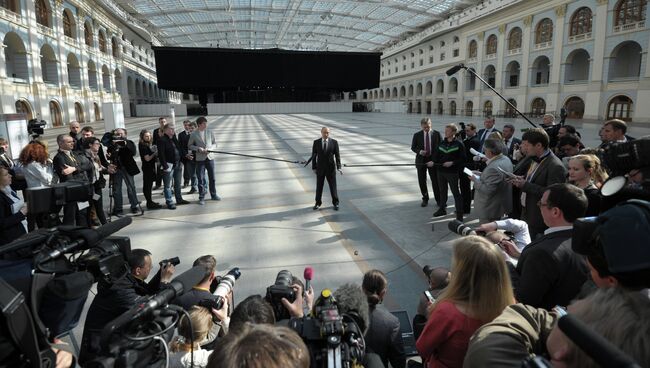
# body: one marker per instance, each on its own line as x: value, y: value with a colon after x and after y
x: 160, y: 109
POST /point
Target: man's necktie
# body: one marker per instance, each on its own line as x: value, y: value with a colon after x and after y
x: 427, y: 145
x: 325, y: 146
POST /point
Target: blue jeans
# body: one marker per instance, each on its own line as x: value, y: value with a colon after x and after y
x: 177, y: 176
x: 189, y: 173
x: 201, y: 168
x: 130, y: 190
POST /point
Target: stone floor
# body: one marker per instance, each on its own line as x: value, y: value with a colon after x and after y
x: 265, y: 222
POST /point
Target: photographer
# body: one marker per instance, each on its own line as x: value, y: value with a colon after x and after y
x: 70, y: 165
x: 114, y: 299
x: 513, y: 246
x: 123, y: 167
x: 621, y: 317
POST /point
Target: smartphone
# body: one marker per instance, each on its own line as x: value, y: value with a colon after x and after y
x: 427, y: 293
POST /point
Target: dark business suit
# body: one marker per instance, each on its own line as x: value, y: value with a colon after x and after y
x: 510, y: 145
x: 11, y: 227
x: 76, y: 159
x: 326, y: 163
x: 464, y: 181
x: 417, y: 145
x: 189, y: 167
x: 384, y: 337
x: 549, y: 272
x: 483, y: 136
x: 551, y: 170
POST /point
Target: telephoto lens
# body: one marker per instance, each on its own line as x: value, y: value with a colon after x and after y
x: 460, y: 228
x: 227, y: 282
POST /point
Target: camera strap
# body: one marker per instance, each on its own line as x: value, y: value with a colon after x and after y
x: 21, y: 326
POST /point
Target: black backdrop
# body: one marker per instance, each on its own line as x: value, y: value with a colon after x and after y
x: 237, y: 75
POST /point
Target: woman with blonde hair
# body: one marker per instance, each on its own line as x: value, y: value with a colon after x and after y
x: 586, y: 173
x: 186, y: 346
x: 479, y: 290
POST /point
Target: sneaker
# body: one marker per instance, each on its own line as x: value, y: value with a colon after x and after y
x: 440, y: 212
x: 171, y: 206
x: 201, y: 202
x: 216, y: 197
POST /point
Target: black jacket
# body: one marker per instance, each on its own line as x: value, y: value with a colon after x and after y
x: 10, y: 223
x: 469, y: 143
x: 384, y: 337
x: 450, y: 151
x: 417, y: 145
x: 549, y: 273
x: 110, y: 302
x: 183, y: 139
x: 80, y: 161
x: 324, y: 162
x: 169, y: 152
x: 193, y: 297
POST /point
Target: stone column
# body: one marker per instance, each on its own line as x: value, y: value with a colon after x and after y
x: 593, y: 108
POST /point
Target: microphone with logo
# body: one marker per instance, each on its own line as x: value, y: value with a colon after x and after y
x: 308, y: 275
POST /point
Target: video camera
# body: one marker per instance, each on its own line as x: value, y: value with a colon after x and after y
x: 333, y: 339
x: 48, y: 199
x: 46, y: 282
x: 36, y: 127
x: 281, y: 289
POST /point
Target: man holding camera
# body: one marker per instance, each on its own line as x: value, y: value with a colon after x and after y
x: 114, y: 299
x: 123, y: 167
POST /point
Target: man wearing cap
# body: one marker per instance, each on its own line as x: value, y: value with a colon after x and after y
x: 616, y: 245
x: 549, y: 273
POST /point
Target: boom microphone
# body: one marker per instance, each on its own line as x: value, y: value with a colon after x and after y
x: 594, y: 345
x: 308, y: 275
x: 351, y: 298
x: 454, y: 69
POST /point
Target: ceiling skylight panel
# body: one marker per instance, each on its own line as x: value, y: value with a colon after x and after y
x: 182, y: 18
x: 379, y: 28
x: 417, y: 21
x: 401, y: 16
x: 381, y: 13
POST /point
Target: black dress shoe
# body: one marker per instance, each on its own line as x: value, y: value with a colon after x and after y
x: 336, y: 207
x: 182, y: 201
x: 440, y: 212
x: 153, y: 206
x: 316, y: 206
x: 459, y: 217
x: 192, y: 191
x: 171, y: 207
x: 424, y: 203
x: 117, y: 213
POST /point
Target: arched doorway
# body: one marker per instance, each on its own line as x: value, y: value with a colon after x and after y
x: 538, y: 107
x: 23, y: 107
x: 410, y: 110
x: 419, y: 107
x: 55, y: 114
x: 441, y: 108
x: 79, y: 112
x: 469, y: 107
x: 510, y: 112
x: 575, y: 107
x: 487, y: 108
x: 428, y: 107
x: 16, y: 66
x: 98, y: 112
x: 620, y: 107
x: 452, y: 108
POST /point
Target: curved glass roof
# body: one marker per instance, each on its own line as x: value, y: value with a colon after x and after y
x: 335, y: 25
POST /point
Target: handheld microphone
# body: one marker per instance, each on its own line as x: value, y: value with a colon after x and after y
x: 454, y: 69
x: 308, y: 275
x: 594, y: 345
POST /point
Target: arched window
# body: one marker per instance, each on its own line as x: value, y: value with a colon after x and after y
x: 538, y: 107
x: 491, y: 45
x: 452, y: 108
x: 88, y: 35
x: 115, y: 47
x: 23, y: 107
x: 629, y: 11
x: 620, y: 107
x: 41, y: 13
x: 487, y: 108
x: 473, y: 49
x: 68, y: 24
x: 514, y: 39
x: 469, y: 107
x: 55, y: 114
x: 580, y: 22
x: 544, y: 31
x: 10, y: 5
x: 102, y: 42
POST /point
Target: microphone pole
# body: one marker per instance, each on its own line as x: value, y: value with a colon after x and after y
x: 456, y: 68
x: 253, y: 156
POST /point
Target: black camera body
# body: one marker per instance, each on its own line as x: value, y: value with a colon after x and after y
x: 175, y: 261
x: 281, y: 289
x: 36, y: 127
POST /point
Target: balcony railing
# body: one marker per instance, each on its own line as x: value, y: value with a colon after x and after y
x: 543, y: 45
x: 580, y: 37
x: 9, y: 15
x: 629, y: 26
x: 514, y: 51
x: 45, y: 30
x: 472, y: 60
x: 491, y: 56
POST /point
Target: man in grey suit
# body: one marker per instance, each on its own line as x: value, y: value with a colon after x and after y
x: 201, y: 141
x: 544, y: 170
x: 493, y: 195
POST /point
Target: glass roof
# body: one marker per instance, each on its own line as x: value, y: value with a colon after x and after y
x: 335, y: 25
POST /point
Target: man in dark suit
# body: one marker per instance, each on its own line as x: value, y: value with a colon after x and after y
x: 157, y: 134
x: 424, y: 143
x: 169, y: 154
x: 471, y: 141
x: 549, y: 273
x: 70, y: 165
x: 187, y: 159
x: 323, y: 153
x: 512, y: 143
x: 544, y: 170
x: 484, y: 133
